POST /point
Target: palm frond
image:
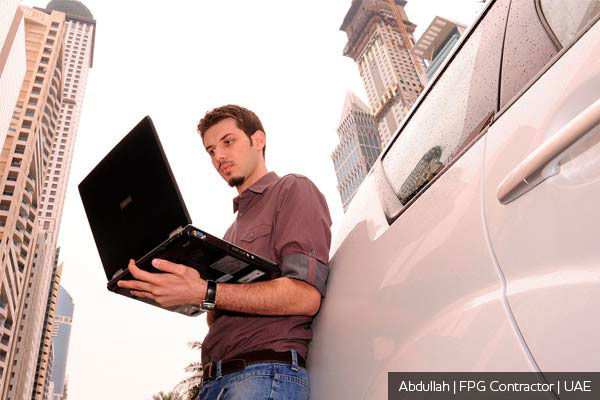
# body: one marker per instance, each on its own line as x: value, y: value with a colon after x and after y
x: 195, y: 367
x: 190, y: 386
x: 195, y: 345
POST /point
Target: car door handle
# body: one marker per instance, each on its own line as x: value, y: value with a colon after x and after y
x: 545, y: 161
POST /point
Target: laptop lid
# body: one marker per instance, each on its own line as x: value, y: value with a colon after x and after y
x: 131, y: 199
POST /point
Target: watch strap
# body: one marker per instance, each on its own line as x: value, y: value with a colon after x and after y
x: 209, y: 302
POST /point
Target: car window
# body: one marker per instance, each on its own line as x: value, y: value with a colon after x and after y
x: 567, y: 18
x: 527, y: 48
x: 452, y: 114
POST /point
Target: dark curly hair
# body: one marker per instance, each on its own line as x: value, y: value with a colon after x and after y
x: 245, y: 120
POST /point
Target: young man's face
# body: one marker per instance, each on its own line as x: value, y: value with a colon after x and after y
x: 231, y: 151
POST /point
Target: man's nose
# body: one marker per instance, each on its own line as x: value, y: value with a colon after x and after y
x: 219, y: 155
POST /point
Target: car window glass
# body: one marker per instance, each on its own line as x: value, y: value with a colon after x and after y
x: 453, y: 112
x: 527, y: 48
x: 568, y: 17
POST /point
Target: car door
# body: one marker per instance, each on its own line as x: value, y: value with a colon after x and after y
x: 542, y: 180
x: 413, y: 285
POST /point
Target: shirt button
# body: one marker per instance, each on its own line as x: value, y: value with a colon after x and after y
x: 313, y: 251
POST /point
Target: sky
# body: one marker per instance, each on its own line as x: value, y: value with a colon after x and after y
x: 174, y: 60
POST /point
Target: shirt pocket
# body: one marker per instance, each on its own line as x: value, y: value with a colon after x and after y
x: 256, y: 235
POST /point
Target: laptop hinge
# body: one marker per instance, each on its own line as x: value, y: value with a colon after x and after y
x: 175, y: 232
x: 118, y: 272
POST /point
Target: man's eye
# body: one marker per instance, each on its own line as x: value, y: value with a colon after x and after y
x: 228, y: 141
x: 211, y: 152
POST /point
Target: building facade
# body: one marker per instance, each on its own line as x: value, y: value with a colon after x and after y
x: 391, y: 74
x: 358, y: 147
x: 60, y: 341
x: 79, y: 38
x: 437, y: 42
x: 23, y: 165
x: 45, y: 359
x: 31, y: 374
x: 12, y: 60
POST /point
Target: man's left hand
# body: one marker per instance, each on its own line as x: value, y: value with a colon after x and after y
x: 178, y: 285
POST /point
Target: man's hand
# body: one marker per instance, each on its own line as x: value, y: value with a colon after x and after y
x: 178, y: 285
x: 182, y: 285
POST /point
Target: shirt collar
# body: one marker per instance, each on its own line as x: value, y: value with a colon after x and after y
x: 257, y: 187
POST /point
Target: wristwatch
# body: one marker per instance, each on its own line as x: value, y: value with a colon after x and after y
x: 209, y: 302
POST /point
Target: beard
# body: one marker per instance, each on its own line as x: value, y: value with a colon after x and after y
x: 236, y: 181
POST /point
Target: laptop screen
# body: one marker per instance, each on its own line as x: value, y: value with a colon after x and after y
x: 131, y: 199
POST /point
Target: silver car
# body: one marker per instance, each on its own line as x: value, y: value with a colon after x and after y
x: 474, y: 242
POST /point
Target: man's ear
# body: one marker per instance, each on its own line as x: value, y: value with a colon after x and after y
x: 259, y: 139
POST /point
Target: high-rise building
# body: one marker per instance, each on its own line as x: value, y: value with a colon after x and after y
x: 390, y: 73
x: 32, y: 380
x: 34, y: 319
x: 80, y: 28
x: 358, y: 147
x: 49, y: 385
x: 437, y: 42
x: 61, y: 337
x: 45, y: 360
x: 23, y: 165
x: 12, y: 60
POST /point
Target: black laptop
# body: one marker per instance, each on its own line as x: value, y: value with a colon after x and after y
x: 136, y: 211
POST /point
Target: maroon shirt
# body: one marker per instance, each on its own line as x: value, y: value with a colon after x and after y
x: 285, y: 220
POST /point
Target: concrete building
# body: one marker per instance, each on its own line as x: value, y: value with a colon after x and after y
x: 358, y: 147
x: 60, y: 341
x: 23, y: 163
x: 437, y: 42
x: 390, y: 73
x: 12, y: 60
x: 31, y: 335
x: 79, y: 30
x: 79, y: 36
x: 45, y: 359
x: 49, y: 385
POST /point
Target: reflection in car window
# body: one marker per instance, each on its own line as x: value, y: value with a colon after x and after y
x: 451, y: 115
x: 527, y: 49
x: 567, y: 17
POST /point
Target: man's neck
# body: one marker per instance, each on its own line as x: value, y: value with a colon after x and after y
x: 253, y: 178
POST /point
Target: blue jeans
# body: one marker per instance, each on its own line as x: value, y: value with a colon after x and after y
x: 261, y: 381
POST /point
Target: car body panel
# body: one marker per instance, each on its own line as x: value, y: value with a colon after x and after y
x: 424, y: 291
x: 546, y: 240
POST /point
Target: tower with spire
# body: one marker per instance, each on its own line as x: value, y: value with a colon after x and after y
x: 358, y: 147
x: 389, y: 72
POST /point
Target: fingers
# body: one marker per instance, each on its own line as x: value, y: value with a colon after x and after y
x: 142, y: 275
x: 168, y: 266
x: 137, y: 285
x: 143, y: 294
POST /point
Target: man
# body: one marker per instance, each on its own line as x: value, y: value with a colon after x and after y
x: 258, y: 332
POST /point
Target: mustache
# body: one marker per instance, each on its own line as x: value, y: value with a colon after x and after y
x: 224, y: 163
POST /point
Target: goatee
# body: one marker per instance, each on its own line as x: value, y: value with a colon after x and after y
x: 235, y: 181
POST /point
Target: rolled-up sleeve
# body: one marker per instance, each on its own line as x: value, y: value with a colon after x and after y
x: 303, y: 232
